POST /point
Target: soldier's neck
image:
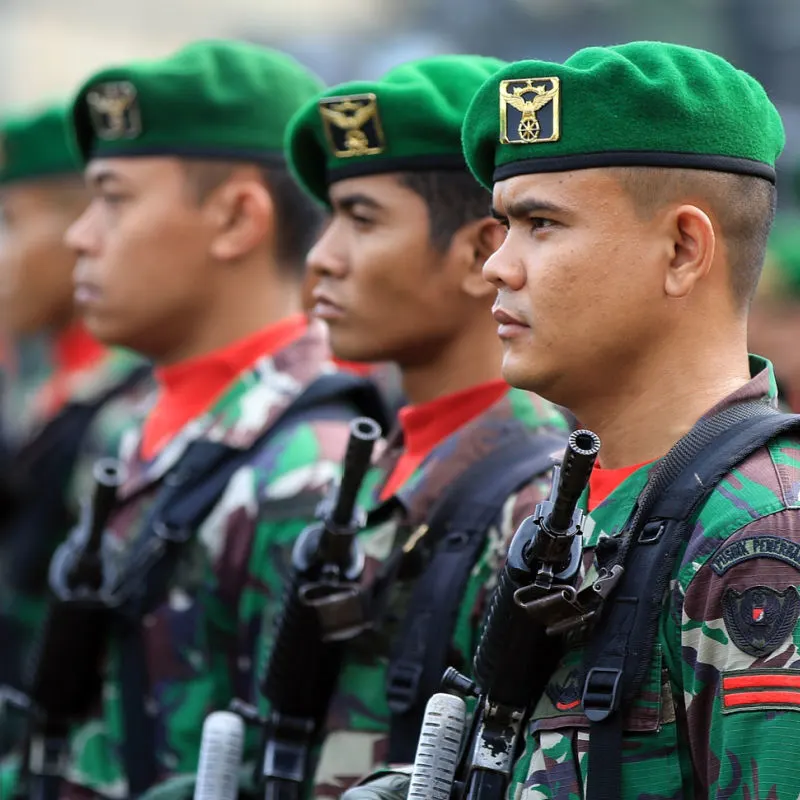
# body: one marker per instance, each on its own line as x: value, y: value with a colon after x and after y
x: 642, y: 416
x: 238, y: 313
x: 468, y: 360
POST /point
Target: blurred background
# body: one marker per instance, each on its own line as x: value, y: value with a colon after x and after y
x: 48, y: 46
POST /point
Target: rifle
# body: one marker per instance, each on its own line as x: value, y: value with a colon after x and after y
x: 323, y: 609
x: 65, y: 676
x: 517, y: 652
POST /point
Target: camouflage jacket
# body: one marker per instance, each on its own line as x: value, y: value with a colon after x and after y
x: 201, y: 641
x: 356, y: 740
x: 720, y: 703
x: 22, y: 599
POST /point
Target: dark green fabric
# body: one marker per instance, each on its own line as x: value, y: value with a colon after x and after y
x: 211, y: 99
x: 638, y: 104
x: 410, y: 119
x: 36, y: 145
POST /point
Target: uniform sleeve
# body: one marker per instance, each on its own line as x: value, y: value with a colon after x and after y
x: 738, y: 639
x: 290, y: 488
x: 485, y: 573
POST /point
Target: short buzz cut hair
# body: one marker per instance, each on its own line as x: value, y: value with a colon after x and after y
x: 454, y: 199
x: 744, y: 206
x: 298, y: 219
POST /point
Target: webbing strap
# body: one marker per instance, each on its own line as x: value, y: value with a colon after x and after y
x: 458, y: 525
x: 621, y: 644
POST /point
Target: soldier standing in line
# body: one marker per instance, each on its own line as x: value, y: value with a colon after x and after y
x: 634, y: 246
x: 79, y: 409
x: 398, y: 278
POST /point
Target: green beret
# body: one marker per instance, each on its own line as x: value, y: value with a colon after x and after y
x: 36, y: 145
x: 410, y: 119
x: 211, y: 99
x: 640, y: 104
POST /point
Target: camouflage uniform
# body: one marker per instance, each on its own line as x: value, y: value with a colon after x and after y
x: 200, y: 643
x: 24, y: 608
x: 358, y: 721
x: 698, y: 727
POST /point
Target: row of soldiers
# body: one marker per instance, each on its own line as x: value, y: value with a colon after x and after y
x: 258, y: 260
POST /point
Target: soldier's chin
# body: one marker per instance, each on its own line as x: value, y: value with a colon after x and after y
x: 358, y: 349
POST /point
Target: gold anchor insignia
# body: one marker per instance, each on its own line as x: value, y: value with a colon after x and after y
x: 352, y: 125
x: 114, y: 110
x: 516, y: 94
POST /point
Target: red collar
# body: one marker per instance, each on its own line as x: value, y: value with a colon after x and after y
x: 427, y: 425
x: 603, y: 482
x: 74, y: 351
x: 189, y: 389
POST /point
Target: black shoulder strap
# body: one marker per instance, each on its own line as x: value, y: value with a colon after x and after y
x: 622, y: 642
x: 189, y: 495
x: 42, y: 470
x: 457, y: 525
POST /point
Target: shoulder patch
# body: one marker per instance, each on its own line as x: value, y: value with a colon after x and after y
x: 760, y: 618
x: 763, y: 546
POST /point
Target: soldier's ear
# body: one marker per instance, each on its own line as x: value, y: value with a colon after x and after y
x: 476, y: 242
x: 243, y: 216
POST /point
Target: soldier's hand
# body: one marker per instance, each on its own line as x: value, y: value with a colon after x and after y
x: 388, y: 786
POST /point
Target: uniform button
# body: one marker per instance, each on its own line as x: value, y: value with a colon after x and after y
x: 149, y: 621
x: 245, y: 663
x: 151, y: 707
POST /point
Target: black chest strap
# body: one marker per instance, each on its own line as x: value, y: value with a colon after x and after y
x: 621, y: 644
x: 457, y: 527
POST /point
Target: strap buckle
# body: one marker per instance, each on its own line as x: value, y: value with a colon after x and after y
x: 287, y: 748
x: 402, y: 685
x: 600, y: 693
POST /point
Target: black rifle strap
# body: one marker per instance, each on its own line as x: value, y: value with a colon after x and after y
x: 42, y: 468
x: 621, y: 644
x: 189, y: 494
x: 457, y: 529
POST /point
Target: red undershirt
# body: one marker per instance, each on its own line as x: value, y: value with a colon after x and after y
x: 74, y: 351
x: 603, y: 481
x: 190, y: 388
x: 427, y: 425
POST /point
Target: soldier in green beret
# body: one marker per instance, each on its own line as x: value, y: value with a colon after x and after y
x: 398, y: 278
x: 637, y: 186
x: 85, y: 397
x: 191, y: 253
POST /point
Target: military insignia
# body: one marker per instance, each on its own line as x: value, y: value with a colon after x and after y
x: 737, y: 552
x: 567, y: 695
x: 752, y: 689
x: 530, y: 111
x: 352, y: 125
x: 114, y: 110
x: 759, y: 619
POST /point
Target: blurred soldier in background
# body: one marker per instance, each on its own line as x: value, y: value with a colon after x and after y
x: 84, y: 400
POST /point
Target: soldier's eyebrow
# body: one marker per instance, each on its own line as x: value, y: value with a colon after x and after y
x: 98, y: 179
x: 526, y: 207
x: 349, y: 201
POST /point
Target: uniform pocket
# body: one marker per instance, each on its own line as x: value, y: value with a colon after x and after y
x: 560, y: 733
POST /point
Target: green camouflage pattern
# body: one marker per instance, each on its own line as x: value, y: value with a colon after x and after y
x: 23, y: 608
x: 202, y: 641
x: 356, y: 741
x: 681, y: 740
